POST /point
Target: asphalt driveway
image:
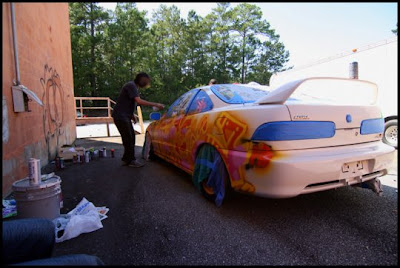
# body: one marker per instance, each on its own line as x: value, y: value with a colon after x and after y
x: 157, y: 217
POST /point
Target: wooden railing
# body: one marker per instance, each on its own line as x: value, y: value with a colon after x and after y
x: 100, y: 120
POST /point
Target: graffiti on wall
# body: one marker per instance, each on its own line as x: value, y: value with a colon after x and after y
x: 53, y: 108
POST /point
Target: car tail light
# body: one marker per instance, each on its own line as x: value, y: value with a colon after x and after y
x: 294, y: 130
x: 372, y: 126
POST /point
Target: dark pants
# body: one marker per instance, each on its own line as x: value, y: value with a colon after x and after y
x: 31, y: 242
x: 125, y: 128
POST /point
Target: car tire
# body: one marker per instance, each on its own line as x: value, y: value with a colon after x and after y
x: 208, y: 192
x: 390, y: 133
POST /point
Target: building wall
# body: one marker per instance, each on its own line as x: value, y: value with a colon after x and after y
x: 378, y: 64
x: 45, y: 61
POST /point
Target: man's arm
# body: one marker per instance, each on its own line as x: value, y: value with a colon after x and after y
x: 148, y: 103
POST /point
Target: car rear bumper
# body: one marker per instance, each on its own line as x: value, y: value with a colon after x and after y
x: 291, y: 173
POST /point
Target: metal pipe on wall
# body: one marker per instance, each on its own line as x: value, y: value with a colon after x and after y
x: 14, y: 31
x: 353, y: 70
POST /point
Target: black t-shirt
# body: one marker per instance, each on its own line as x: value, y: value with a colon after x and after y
x: 126, y: 103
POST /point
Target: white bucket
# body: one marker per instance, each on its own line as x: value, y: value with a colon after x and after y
x: 38, y: 201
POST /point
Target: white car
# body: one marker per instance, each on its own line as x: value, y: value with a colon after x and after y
x: 306, y: 136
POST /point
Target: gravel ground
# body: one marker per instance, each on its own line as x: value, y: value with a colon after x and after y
x: 157, y: 217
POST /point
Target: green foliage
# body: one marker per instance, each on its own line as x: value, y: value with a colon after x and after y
x: 88, y: 23
x: 230, y: 44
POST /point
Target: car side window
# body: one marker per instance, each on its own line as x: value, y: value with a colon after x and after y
x: 173, y: 107
x: 201, y: 103
x: 180, y: 105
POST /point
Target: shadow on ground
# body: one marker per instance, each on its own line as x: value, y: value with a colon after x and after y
x: 157, y: 217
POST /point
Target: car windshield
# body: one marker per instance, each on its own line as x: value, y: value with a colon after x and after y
x: 235, y: 94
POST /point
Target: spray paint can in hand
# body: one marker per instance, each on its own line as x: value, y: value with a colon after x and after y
x: 35, y: 175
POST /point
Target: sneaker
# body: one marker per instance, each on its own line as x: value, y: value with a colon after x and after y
x: 136, y: 163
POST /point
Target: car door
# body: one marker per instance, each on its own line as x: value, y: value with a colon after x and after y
x: 163, y: 133
x: 189, y: 128
x: 168, y: 133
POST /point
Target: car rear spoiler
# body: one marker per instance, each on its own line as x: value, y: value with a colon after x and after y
x: 282, y: 93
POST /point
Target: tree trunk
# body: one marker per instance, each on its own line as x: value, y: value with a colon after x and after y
x: 224, y: 71
x: 243, y: 56
x: 92, y: 47
x: 131, y: 62
x: 192, y: 61
x: 131, y: 54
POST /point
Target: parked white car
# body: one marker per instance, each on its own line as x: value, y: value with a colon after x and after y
x: 377, y: 62
x: 306, y: 136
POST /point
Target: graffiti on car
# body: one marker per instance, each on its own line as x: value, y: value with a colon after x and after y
x: 182, y: 136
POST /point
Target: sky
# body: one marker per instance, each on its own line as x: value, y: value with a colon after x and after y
x: 311, y: 31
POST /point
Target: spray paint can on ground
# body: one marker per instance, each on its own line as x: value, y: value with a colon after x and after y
x: 35, y: 175
x: 112, y: 153
x: 87, y: 157
x: 101, y: 153
x: 62, y: 163
x: 104, y: 152
x: 75, y: 159
x: 59, y: 162
x: 81, y: 158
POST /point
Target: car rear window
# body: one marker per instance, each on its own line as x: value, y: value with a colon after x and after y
x: 236, y: 94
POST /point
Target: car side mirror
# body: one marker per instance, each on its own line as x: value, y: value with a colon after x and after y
x: 155, y: 116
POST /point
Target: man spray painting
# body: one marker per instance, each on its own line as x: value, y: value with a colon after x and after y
x: 123, y: 113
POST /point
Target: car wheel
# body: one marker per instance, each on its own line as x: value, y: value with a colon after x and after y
x: 390, y: 133
x: 210, y: 175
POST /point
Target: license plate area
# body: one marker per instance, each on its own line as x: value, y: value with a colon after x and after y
x: 354, y: 167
